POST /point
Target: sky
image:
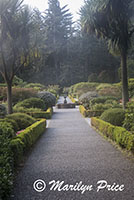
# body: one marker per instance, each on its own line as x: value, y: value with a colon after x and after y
x: 73, y: 5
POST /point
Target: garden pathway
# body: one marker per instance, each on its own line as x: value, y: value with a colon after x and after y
x: 71, y: 151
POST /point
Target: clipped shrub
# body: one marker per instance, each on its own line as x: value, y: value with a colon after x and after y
x: 129, y: 121
x: 6, y: 160
x: 42, y: 114
x: 23, y: 142
x: 102, y: 99
x: 114, y: 116
x: 23, y: 120
x: 129, y: 117
x: 81, y: 88
x: 105, y: 89
x: 86, y: 97
x: 3, y: 111
x: 18, y: 94
x: 48, y: 98
x: 25, y: 110
x: 118, y: 134
x: 31, y: 103
x: 83, y: 111
x: 12, y: 123
x: 101, y: 107
x: 90, y: 113
x: 54, y: 89
x: 36, y: 86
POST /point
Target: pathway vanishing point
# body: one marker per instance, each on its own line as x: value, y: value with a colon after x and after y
x: 71, y: 151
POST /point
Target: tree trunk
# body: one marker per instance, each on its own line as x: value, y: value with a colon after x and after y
x: 9, y: 97
x: 125, y: 96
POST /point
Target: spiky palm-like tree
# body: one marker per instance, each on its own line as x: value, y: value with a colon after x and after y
x: 14, y: 40
x: 112, y: 20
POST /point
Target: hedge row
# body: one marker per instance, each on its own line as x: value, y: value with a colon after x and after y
x: 89, y: 113
x: 73, y: 100
x: 22, y: 143
x: 42, y: 114
x: 118, y: 134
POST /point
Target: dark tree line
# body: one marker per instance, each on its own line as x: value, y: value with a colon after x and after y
x: 69, y: 55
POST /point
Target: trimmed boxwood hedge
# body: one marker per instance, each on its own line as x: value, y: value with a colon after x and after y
x: 23, y: 142
x: 90, y: 113
x: 6, y: 160
x: 73, y: 100
x: 42, y: 114
x: 118, y: 134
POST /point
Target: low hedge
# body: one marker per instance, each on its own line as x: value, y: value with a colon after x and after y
x: 6, y: 160
x: 73, y: 100
x: 118, y: 134
x: 23, y: 142
x: 90, y: 113
x: 42, y: 114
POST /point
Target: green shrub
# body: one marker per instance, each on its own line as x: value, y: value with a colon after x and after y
x: 36, y: 86
x: 131, y: 87
x: 114, y: 116
x: 18, y: 82
x: 3, y: 111
x: 105, y: 89
x: 23, y: 142
x: 102, y: 99
x: 48, y: 98
x: 23, y: 120
x: 12, y: 123
x: 118, y: 134
x: 18, y: 94
x: 130, y: 107
x: 54, y: 89
x: 42, y: 114
x: 101, y: 106
x: 86, y: 97
x: 6, y: 160
x: 129, y: 117
x: 31, y: 103
x: 80, y: 88
x: 129, y: 121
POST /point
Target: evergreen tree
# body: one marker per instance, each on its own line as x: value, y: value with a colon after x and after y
x: 58, y: 24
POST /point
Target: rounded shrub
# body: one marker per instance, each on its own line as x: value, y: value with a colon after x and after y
x: 48, y: 98
x: 12, y: 123
x: 23, y: 120
x: 114, y: 116
x: 86, y: 97
x: 31, y: 103
x: 102, y: 99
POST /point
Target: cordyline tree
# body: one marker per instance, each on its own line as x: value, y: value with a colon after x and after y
x: 112, y: 20
x: 14, y: 40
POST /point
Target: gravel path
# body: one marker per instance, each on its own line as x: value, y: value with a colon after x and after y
x: 71, y: 151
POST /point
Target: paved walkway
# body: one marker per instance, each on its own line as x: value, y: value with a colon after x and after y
x: 71, y: 151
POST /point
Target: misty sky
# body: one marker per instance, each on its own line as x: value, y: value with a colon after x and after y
x: 74, y: 5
